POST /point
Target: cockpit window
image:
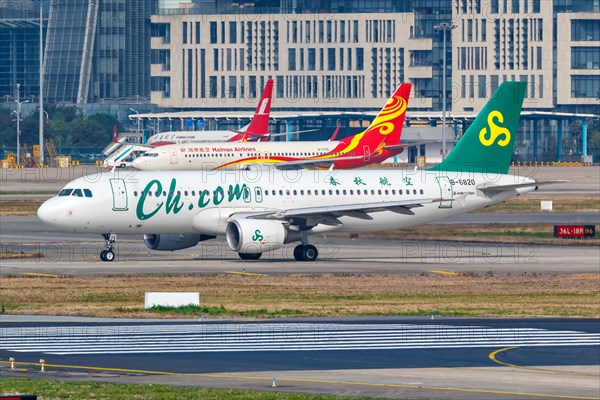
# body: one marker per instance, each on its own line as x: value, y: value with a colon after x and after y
x: 77, y: 193
x: 65, y: 192
x: 87, y: 192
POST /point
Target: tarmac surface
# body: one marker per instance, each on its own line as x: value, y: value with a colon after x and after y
x: 448, y: 358
x: 77, y: 254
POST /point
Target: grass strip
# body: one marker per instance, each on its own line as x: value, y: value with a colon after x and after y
x: 226, y: 295
x: 47, y: 389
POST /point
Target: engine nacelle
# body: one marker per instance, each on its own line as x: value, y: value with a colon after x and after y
x: 174, y: 241
x: 255, y: 236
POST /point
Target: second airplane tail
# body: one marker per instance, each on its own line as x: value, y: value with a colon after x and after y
x: 259, y: 126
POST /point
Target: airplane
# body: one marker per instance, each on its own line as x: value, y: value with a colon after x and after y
x: 261, y: 211
x: 120, y: 153
x: 380, y: 141
x: 256, y: 130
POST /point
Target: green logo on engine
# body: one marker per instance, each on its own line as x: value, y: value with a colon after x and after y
x: 257, y: 236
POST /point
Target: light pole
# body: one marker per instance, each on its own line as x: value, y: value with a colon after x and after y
x: 19, y: 122
x: 138, y: 123
x: 41, y: 89
x: 444, y: 27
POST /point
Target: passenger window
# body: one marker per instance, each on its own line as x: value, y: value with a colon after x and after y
x: 414, y: 191
x: 421, y: 191
x: 399, y: 191
x: 379, y: 191
x: 387, y: 192
x: 149, y: 194
x: 295, y: 192
x: 87, y: 192
x: 393, y: 191
x: 157, y: 193
x: 281, y: 192
x: 343, y: 192
x: 302, y: 193
x: 135, y: 194
x: 65, y: 192
x: 186, y: 192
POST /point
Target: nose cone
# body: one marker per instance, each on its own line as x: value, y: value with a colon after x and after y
x: 49, y: 211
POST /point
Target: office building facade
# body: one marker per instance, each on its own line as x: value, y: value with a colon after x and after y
x: 98, y: 50
x: 553, y: 45
x: 208, y: 56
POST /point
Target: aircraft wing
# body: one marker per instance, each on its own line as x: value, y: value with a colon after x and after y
x: 328, y: 215
x: 491, y: 187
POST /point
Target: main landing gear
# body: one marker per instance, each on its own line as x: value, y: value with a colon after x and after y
x: 305, y: 251
x: 108, y: 254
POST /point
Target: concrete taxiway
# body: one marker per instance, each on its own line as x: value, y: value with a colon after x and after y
x: 447, y: 358
x: 77, y: 254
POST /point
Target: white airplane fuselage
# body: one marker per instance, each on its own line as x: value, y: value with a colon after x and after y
x: 203, y: 201
x: 194, y: 137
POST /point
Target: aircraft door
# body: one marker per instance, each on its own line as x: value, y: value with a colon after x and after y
x: 119, y: 192
x: 173, y: 156
x: 366, y: 153
x: 446, y: 191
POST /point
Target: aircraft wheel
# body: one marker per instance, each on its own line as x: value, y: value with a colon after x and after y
x: 298, y: 252
x: 103, y: 255
x: 309, y: 253
x: 250, y: 256
x: 109, y: 255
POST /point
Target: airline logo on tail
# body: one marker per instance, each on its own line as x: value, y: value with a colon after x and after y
x: 263, y: 105
x: 488, y: 136
x: 395, y: 107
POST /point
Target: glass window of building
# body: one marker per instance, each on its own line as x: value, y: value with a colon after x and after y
x: 585, y: 86
x: 312, y: 54
x: 197, y: 32
x: 331, y: 59
x: 585, y: 57
x: 213, y: 32
x: 585, y: 30
x: 212, y: 81
x: 184, y: 33
x: 360, y: 59
x: 292, y: 59
x: 232, y: 32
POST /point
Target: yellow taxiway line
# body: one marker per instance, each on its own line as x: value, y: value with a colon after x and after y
x: 303, y: 380
x: 439, y: 271
x: 38, y: 274
x: 546, y: 371
x: 243, y: 273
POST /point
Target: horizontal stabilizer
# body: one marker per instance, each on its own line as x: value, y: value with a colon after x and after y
x: 491, y: 187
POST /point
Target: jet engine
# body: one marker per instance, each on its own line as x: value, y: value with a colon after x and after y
x: 254, y: 236
x: 174, y: 241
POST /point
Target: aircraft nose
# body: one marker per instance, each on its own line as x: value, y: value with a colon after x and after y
x: 48, y: 212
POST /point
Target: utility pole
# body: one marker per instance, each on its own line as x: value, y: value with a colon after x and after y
x: 41, y: 88
x: 444, y: 27
x: 19, y: 102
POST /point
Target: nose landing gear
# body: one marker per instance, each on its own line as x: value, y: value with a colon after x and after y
x: 108, y: 254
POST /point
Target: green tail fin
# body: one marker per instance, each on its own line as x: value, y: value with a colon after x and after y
x: 487, y: 146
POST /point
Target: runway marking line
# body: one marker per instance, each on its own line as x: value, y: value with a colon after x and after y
x: 38, y: 274
x: 493, y: 354
x: 304, y: 380
x: 243, y: 273
x: 438, y: 271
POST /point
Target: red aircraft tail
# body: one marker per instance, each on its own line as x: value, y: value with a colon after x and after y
x: 259, y: 126
x: 386, y: 128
